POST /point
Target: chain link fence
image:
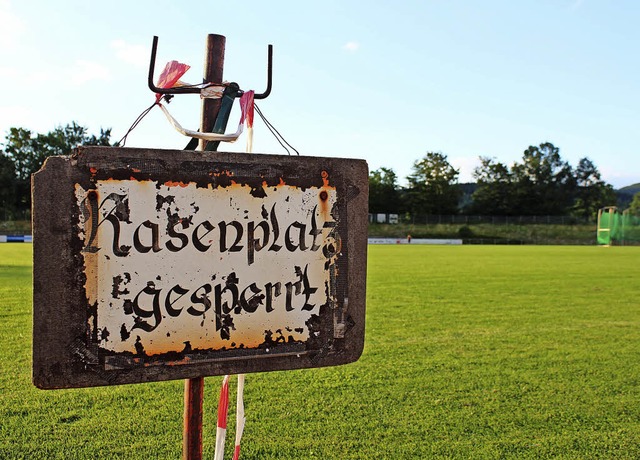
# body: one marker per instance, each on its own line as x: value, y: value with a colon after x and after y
x: 542, y: 230
x: 459, y: 219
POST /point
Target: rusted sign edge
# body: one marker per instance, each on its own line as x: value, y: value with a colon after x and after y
x: 59, y: 331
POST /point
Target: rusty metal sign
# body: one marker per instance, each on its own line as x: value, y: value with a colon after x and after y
x: 156, y: 264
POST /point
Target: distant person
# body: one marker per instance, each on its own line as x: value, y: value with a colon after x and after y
x: 409, y: 239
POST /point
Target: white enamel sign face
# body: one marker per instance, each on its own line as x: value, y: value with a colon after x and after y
x: 174, y: 266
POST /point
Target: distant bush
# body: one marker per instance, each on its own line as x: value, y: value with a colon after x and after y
x: 571, y: 233
x: 465, y: 232
x: 15, y: 227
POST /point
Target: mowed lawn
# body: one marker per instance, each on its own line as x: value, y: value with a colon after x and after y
x: 471, y: 352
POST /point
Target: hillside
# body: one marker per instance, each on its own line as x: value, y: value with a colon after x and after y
x: 625, y: 195
x: 630, y: 189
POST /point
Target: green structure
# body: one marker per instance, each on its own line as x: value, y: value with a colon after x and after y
x: 608, y: 225
x: 618, y: 228
x: 630, y: 228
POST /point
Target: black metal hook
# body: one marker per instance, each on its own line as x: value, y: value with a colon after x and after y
x: 269, y: 74
x: 196, y: 90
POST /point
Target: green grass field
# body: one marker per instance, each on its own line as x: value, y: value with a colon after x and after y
x: 471, y: 352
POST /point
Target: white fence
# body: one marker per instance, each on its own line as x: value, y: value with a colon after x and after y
x: 413, y: 241
x: 16, y: 239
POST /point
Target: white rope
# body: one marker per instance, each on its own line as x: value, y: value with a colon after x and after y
x: 198, y: 135
x: 212, y: 92
x: 240, y: 418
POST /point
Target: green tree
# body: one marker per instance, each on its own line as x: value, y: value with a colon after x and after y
x: 7, y: 187
x: 544, y: 182
x: 383, y: 191
x: 27, y: 151
x: 433, y: 186
x: 634, y: 207
x: 541, y: 184
x: 494, y: 195
x: 62, y: 140
x: 592, y: 193
x: 22, y: 151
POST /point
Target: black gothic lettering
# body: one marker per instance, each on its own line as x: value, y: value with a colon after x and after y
x: 202, y: 299
x: 223, y: 308
x: 197, y: 239
x: 291, y: 246
x: 168, y: 303
x: 275, y: 228
x: 251, y: 304
x: 141, y: 312
x: 315, y: 231
x: 155, y: 237
x: 229, y: 299
x: 235, y: 247
x: 119, y: 213
x: 171, y: 231
x: 269, y: 289
x: 254, y: 244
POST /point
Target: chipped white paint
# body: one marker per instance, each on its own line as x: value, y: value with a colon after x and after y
x: 174, y: 267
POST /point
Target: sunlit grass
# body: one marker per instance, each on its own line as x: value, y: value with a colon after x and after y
x: 471, y: 352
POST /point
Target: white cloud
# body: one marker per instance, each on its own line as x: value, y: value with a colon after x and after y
x: 85, y: 71
x: 137, y: 55
x: 351, y: 46
x: 11, y: 26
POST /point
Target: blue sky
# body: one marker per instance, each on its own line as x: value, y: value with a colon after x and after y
x: 383, y: 81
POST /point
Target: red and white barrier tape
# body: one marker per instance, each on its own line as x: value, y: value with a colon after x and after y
x: 240, y: 419
x: 223, y: 411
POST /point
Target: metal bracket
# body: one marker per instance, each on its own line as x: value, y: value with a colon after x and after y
x: 196, y: 89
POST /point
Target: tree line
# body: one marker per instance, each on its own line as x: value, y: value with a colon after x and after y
x: 24, y: 152
x: 541, y: 183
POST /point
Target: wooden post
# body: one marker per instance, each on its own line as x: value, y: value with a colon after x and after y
x: 192, y: 433
x: 213, y: 67
x: 194, y: 388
